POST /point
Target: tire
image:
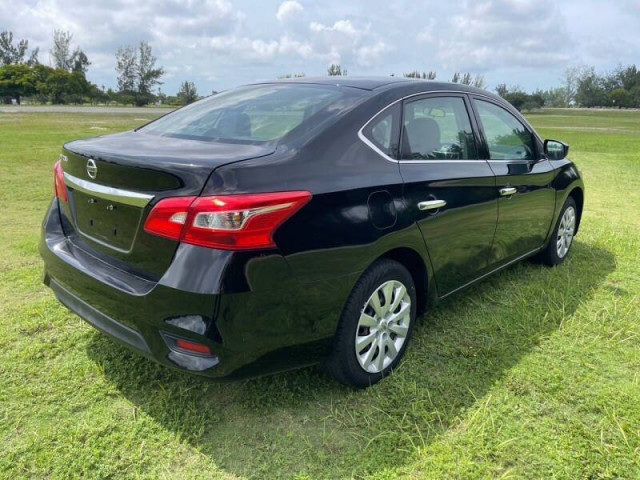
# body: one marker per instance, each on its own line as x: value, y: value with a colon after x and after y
x: 372, y: 317
x: 562, y: 237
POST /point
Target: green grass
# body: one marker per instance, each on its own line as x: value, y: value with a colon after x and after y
x: 534, y: 373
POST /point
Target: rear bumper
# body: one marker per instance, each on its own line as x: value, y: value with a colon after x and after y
x: 98, y: 319
x: 265, y: 321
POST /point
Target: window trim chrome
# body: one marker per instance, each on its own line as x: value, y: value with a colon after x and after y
x: 371, y: 145
x: 119, y: 195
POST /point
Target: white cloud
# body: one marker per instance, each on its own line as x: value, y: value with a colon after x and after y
x: 291, y: 45
x: 486, y: 35
x: 370, y: 54
x: 341, y: 26
x: 288, y: 10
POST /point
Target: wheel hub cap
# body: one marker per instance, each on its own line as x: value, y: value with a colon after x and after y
x: 383, y: 326
x: 566, y: 229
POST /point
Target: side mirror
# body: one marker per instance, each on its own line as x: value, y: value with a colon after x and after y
x: 555, y: 149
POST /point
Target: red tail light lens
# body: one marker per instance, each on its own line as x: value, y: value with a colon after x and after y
x: 230, y: 222
x: 168, y: 217
x: 58, y: 182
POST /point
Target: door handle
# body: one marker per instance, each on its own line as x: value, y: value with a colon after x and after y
x: 431, y: 204
x: 508, y: 191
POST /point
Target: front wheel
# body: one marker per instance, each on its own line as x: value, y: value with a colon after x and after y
x: 375, y: 326
x: 562, y: 236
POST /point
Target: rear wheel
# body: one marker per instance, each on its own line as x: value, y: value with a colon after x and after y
x: 562, y: 236
x: 375, y: 326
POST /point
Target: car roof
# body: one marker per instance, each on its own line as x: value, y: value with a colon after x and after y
x: 375, y: 83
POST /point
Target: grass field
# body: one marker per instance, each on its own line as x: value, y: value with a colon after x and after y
x: 535, y: 373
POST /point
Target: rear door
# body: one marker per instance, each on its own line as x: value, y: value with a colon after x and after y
x: 448, y: 188
x: 523, y: 179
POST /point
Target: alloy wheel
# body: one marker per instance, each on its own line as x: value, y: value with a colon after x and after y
x: 383, y: 326
x: 565, y: 232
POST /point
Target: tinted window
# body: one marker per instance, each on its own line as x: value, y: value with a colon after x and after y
x: 249, y: 114
x: 437, y: 128
x: 382, y: 131
x: 506, y: 137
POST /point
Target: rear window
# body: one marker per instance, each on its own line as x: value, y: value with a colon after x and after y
x: 253, y: 114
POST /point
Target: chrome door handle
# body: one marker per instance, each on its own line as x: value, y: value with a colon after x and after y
x: 508, y: 191
x: 431, y: 204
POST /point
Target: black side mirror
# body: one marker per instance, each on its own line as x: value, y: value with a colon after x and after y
x: 555, y: 149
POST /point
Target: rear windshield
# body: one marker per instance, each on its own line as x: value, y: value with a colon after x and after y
x: 253, y: 114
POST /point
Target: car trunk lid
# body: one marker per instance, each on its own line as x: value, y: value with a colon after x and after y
x: 113, y: 181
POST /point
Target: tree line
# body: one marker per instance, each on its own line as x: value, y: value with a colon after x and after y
x: 22, y: 75
x: 139, y: 79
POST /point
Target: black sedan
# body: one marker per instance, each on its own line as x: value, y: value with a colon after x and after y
x: 291, y: 223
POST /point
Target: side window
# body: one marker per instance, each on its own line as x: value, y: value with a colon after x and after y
x: 506, y: 137
x: 437, y: 128
x: 383, y: 131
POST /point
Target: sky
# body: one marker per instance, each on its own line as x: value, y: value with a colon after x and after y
x: 218, y: 44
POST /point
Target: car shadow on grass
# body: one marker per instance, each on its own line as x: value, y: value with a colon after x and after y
x: 301, y: 422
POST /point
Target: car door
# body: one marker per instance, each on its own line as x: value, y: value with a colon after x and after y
x: 448, y: 189
x: 523, y: 180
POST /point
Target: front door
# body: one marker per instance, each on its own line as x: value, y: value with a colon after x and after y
x: 450, y: 191
x: 523, y: 180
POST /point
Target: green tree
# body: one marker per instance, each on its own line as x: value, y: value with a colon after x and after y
x: 571, y: 78
x: 628, y: 77
x: 61, y: 86
x: 187, y: 93
x: 635, y: 96
x: 335, y: 70
x: 126, y: 61
x: 502, y: 89
x: 431, y: 75
x: 479, y: 82
x: 621, y: 98
x: 554, y: 97
x: 292, y: 75
x: 590, y: 91
x: 80, y: 61
x: 11, y: 54
x: 519, y: 99
x: 466, y: 79
x: 148, y: 75
x: 61, y: 51
x: 137, y: 73
x: 16, y: 81
x: 66, y: 59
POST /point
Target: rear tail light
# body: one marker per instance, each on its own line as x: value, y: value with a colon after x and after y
x: 58, y: 182
x: 230, y: 222
x: 168, y: 217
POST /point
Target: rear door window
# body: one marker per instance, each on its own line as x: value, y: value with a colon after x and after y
x: 437, y: 128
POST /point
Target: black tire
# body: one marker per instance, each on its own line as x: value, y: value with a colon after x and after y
x: 551, y: 255
x: 343, y: 363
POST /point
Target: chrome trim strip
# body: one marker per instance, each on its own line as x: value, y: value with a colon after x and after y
x: 521, y: 257
x: 370, y: 144
x: 109, y: 193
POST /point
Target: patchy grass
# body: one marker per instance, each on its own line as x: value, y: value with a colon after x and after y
x: 533, y: 374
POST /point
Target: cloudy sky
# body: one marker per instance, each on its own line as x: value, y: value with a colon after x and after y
x: 219, y: 43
